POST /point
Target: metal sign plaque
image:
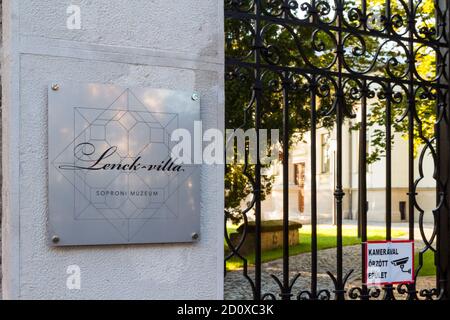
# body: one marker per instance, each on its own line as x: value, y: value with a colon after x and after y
x: 112, y: 176
x: 389, y: 262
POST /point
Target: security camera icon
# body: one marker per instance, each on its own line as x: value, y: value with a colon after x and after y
x: 401, y: 264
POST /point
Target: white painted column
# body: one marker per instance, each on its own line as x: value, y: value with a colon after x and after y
x: 162, y: 44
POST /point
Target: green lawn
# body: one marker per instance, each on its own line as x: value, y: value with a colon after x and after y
x: 326, y: 238
x: 428, y: 267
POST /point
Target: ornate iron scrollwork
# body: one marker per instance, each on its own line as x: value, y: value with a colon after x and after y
x: 344, y: 54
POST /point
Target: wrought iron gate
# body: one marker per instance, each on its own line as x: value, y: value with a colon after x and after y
x: 302, y: 63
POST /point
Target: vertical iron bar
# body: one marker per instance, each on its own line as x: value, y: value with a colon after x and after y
x: 443, y: 144
x: 437, y: 164
x: 388, y: 293
x: 443, y: 239
x: 313, y: 192
x: 444, y: 174
x: 411, y: 110
x: 438, y: 194
x: 258, y: 94
x: 313, y: 151
x: 411, y: 172
x: 388, y: 138
x: 339, y: 193
x: 388, y: 207
x: 286, y: 294
x: 363, y: 184
x: 362, y: 170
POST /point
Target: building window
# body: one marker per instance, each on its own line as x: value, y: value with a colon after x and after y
x: 299, y: 180
x: 325, y: 153
x: 299, y: 174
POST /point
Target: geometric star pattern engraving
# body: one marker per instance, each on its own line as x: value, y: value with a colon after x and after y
x: 128, y: 199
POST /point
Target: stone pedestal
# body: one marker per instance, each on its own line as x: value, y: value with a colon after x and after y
x: 271, y: 236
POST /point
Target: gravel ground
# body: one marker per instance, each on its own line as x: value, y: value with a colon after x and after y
x: 239, y: 288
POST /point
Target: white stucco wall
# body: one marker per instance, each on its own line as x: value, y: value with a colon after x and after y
x: 162, y: 44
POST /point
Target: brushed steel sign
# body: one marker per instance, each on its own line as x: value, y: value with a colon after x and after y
x: 112, y: 178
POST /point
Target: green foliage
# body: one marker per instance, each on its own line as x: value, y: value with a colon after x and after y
x: 423, y: 131
x: 318, y: 47
x: 240, y: 106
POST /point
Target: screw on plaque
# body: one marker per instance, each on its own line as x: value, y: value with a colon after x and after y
x: 55, y: 87
x: 195, y: 236
x: 195, y: 96
x: 55, y: 239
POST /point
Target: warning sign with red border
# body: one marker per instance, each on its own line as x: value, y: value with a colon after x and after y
x: 389, y: 262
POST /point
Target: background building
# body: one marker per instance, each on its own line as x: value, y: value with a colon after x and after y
x: 300, y: 180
